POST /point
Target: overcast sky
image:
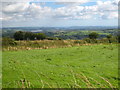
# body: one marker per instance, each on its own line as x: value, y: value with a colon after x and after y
x: 30, y: 13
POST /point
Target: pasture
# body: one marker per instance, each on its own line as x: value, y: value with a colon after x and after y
x: 94, y: 66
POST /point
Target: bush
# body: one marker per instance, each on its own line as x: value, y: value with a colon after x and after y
x: 104, y: 40
x: 77, y: 42
x: 8, y: 42
x: 93, y: 35
x: 52, y: 38
x: 40, y: 36
x: 118, y: 37
x: 88, y: 40
x: 109, y: 36
x: 94, y: 41
x: 113, y: 40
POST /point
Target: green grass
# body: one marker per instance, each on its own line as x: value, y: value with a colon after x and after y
x: 74, y: 67
x: 83, y: 32
x: 0, y: 68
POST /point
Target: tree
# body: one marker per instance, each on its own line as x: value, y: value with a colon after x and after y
x: 93, y: 35
x: 29, y: 36
x: 109, y: 37
x: 40, y: 36
x: 19, y: 35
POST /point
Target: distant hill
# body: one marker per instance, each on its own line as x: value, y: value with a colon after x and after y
x: 61, y: 28
x: 75, y: 32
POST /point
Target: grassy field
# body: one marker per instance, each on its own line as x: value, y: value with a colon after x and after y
x: 92, y: 66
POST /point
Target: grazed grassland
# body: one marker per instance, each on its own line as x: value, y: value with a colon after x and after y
x: 91, y: 66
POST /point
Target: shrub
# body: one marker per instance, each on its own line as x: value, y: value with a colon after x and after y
x: 94, y: 41
x: 118, y: 37
x: 8, y: 42
x: 88, y: 40
x: 77, y: 42
x: 104, y: 40
x: 93, y: 35
x: 109, y: 36
x: 112, y: 40
x: 52, y: 38
x: 40, y: 36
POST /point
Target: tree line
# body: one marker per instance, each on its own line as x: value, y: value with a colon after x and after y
x: 21, y: 35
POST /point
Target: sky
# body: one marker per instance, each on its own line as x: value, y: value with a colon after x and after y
x: 58, y: 13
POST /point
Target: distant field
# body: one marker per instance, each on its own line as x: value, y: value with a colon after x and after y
x: 65, y: 34
x: 92, y: 66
